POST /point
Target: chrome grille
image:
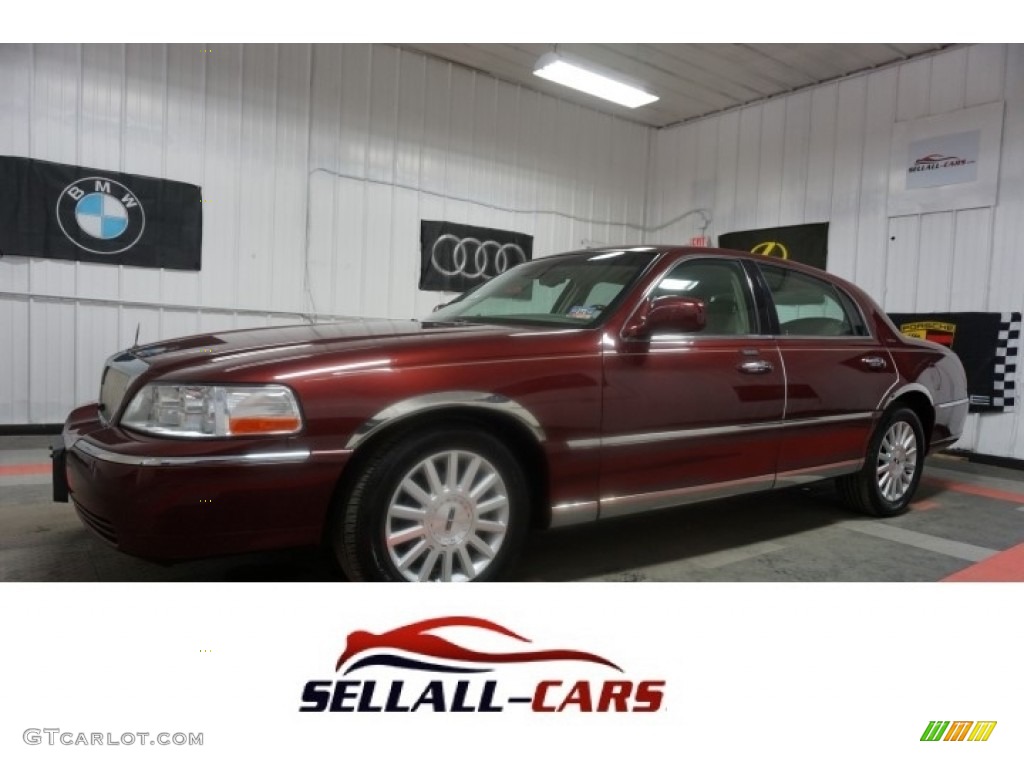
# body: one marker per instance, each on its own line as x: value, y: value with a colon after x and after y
x: 112, y: 390
x: 118, y: 375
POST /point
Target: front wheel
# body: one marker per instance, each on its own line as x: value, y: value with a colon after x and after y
x: 445, y: 505
x: 892, y: 469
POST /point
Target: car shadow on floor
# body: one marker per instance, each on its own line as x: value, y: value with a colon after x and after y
x: 668, y: 545
x: 624, y: 549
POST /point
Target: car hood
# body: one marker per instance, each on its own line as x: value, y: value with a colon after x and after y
x: 245, y: 354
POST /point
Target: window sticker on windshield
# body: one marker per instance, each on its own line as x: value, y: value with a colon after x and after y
x: 584, y: 313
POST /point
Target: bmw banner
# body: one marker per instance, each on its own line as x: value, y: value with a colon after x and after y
x: 803, y: 243
x: 56, y: 211
x: 457, y: 257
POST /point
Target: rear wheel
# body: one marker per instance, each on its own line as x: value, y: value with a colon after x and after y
x: 892, y: 469
x: 434, y: 506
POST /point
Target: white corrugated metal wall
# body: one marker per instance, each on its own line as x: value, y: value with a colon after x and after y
x: 377, y: 138
x: 823, y: 155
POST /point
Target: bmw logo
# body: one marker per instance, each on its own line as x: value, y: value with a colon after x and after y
x: 100, y: 215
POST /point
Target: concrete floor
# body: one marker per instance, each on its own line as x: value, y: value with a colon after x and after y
x: 964, y: 514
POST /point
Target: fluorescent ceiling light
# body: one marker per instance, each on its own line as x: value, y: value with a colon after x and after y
x: 558, y: 69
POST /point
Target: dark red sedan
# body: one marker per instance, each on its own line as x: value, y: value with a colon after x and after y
x: 581, y: 386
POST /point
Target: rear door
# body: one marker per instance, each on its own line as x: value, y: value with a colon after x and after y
x: 836, y: 375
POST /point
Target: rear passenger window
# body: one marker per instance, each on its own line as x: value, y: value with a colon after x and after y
x: 807, y: 306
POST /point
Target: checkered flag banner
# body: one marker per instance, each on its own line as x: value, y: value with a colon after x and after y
x: 987, y: 343
x: 1007, y: 348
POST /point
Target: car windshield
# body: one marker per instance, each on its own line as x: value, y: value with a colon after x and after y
x: 566, y: 291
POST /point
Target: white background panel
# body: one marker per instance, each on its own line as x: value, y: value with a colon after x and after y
x: 836, y: 145
x: 52, y: 359
x: 250, y: 123
x: 800, y: 693
x: 14, y: 399
x: 93, y: 324
x: 874, y: 181
x: 821, y: 154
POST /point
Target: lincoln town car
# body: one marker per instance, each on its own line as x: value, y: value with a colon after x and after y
x: 569, y: 389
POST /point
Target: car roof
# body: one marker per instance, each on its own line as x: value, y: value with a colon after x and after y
x: 672, y: 251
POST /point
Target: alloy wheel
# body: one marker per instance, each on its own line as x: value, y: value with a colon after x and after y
x: 896, y: 464
x: 447, y: 518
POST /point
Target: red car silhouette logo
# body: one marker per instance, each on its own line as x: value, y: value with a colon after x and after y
x: 386, y: 648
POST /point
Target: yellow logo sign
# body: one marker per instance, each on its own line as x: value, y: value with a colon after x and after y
x: 930, y: 330
x: 771, y: 248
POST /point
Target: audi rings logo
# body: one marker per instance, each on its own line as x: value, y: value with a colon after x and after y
x: 472, y: 258
x: 457, y: 257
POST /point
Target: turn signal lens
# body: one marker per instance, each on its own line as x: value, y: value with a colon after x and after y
x: 269, y: 425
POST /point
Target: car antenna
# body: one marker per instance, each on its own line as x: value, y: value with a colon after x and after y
x: 137, y: 328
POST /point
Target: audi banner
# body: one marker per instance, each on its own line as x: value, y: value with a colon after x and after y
x: 457, y: 257
x: 805, y: 243
x: 56, y: 211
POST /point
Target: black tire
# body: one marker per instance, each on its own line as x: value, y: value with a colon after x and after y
x: 452, y: 523
x: 885, y: 486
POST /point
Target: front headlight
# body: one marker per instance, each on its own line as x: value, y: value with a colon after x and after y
x: 190, y: 410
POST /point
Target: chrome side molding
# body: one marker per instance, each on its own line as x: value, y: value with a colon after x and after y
x: 573, y: 513
x: 437, y: 400
x: 890, y: 396
x: 690, y: 434
x: 814, y: 474
x: 263, y: 457
x: 618, y: 506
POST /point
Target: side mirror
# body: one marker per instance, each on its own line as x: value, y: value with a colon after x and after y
x: 666, y: 314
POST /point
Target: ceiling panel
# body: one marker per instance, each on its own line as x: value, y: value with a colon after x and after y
x: 691, y: 79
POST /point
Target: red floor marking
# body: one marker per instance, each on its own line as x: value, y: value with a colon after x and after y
x: 978, y: 490
x: 1007, y: 565
x: 26, y: 469
x: 924, y: 505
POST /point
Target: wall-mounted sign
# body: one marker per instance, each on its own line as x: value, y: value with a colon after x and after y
x: 946, y: 162
x: 805, y: 243
x: 987, y: 343
x: 457, y: 257
x: 58, y: 211
x: 941, y: 160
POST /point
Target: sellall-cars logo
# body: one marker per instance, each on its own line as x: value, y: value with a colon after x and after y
x: 415, y: 668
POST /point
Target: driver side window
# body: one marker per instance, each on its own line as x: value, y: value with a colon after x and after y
x: 721, y: 285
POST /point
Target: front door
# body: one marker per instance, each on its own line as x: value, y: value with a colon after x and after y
x: 689, y: 417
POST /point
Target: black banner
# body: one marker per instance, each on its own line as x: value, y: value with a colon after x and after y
x: 986, y: 342
x: 457, y: 257
x: 804, y: 243
x: 57, y: 211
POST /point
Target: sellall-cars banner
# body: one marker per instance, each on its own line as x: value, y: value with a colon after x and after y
x: 57, y: 211
x: 986, y: 342
x: 457, y: 257
x: 804, y: 243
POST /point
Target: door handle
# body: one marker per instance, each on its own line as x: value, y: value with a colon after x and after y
x: 755, y: 366
x: 874, y: 361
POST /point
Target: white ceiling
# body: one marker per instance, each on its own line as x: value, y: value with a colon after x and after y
x: 691, y: 79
